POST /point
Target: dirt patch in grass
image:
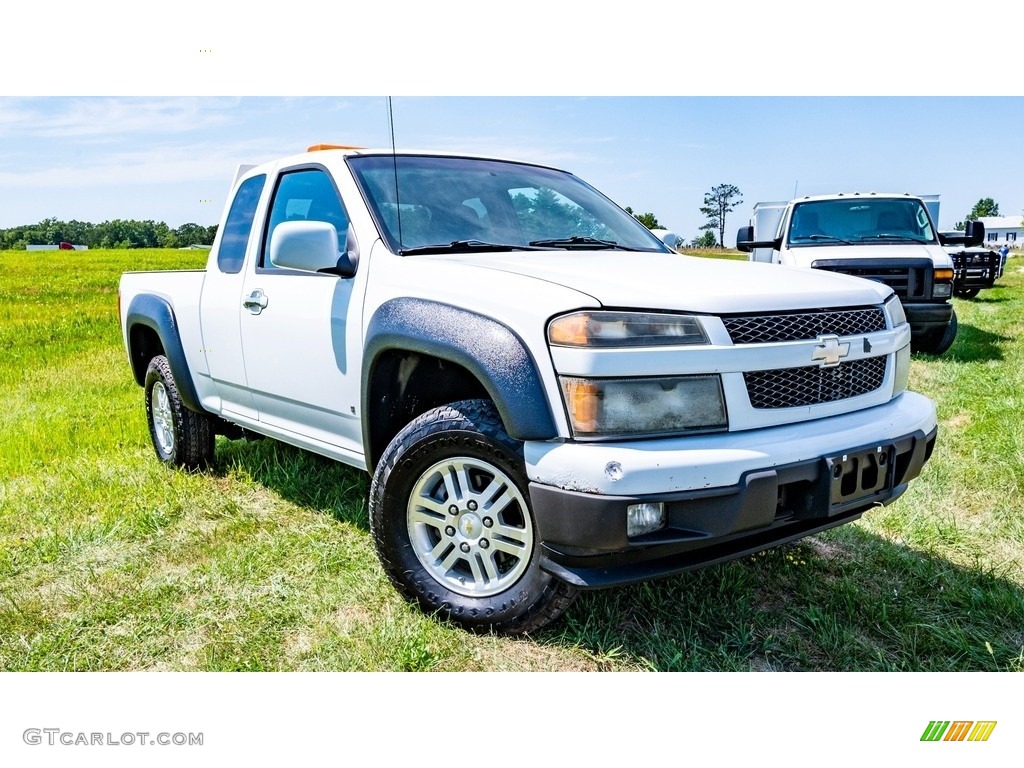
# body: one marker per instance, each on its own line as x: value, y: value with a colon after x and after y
x: 958, y: 421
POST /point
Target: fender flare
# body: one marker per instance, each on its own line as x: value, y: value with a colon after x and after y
x: 156, y: 313
x: 489, y: 350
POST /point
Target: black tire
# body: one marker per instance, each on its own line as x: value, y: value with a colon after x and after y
x: 940, y: 341
x: 181, y: 438
x: 451, y: 520
x: 966, y: 293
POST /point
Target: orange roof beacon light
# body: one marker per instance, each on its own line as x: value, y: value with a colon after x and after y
x: 320, y: 147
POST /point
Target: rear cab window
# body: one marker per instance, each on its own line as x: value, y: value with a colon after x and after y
x: 237, y: 228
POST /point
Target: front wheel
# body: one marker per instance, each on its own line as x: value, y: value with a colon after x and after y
x: 451, y: 519
x: 966, y: 293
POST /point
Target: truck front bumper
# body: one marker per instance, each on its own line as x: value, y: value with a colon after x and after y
x: 724, y: 496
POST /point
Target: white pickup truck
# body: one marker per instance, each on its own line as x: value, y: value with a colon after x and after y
x: 891, y: 238
x: 546, y: 396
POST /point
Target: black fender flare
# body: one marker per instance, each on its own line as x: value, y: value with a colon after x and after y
x: 156, y: 313
x: 489, y: 350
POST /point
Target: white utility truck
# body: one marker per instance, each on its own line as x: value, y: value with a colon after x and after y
x: 546, y: 396
x: 890, y: 238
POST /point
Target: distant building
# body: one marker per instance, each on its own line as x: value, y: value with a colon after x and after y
x: 1004, y: 229
x: 61, y: 247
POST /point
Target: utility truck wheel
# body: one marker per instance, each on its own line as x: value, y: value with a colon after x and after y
x: 966, y: 293
x: 181, y: 437
x: 940, y: 341
x: 451, y: 519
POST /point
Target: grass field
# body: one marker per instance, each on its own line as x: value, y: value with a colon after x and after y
x: 108, y: 561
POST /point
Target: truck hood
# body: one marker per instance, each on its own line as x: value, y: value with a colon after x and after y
x: 685, y: 283
x: 803, y: 256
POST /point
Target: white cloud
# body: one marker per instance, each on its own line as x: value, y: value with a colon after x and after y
x: 112, y: 118
x: 148, y: 166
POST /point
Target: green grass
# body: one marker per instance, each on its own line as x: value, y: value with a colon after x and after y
x: 108, y: 561
x: 716, y: 253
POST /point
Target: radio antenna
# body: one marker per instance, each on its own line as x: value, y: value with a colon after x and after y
x: 394, y: 161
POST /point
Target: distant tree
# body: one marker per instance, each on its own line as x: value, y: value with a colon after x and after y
x: 986, y: 206
x: 719, y: 202
x: 191, y: 234
x: 707, y: 240
x: 649, y: 220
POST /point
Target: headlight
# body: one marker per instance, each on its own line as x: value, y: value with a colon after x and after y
x: 624, y: 329
x: 896, y: 312
x: 644, y: 406
x: 943, y: 283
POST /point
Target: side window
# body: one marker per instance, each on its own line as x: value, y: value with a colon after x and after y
x: 305, y: 195
x: 239, y: 224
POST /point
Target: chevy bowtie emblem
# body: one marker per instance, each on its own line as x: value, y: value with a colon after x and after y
x: 830, y: 350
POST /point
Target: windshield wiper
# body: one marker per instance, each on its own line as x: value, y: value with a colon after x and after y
x: 831, y: 238
x: 465, y: 246
x: 893, y: 236
x: 576, y: 241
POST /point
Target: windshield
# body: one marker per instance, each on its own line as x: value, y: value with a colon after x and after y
x: 457, y: 204
x: 860, y: 220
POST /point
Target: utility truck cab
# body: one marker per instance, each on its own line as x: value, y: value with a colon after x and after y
x: 889, y: 238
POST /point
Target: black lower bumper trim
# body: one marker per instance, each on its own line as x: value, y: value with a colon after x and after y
x: 584, y: 538
x: 927, y: 317
x: 585, y: 576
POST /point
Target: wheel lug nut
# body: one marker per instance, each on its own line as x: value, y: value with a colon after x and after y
x: 450, y: 530
x: 464, y: 547
x: 484, y: 543
x: 471, y: 505
x: 488, y: 522
x: 453, y: 510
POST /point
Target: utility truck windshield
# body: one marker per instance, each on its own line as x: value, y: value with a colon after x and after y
x: 859, y: 221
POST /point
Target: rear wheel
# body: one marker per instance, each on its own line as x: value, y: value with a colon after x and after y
x: 451, y: 519
x: 966, y: 293
x: 181, y: 437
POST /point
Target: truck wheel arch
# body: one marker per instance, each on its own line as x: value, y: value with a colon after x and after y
x: 468, y: 348
x: 153, y: 330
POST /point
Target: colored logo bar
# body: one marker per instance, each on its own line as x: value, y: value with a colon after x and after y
x: 958, y: 730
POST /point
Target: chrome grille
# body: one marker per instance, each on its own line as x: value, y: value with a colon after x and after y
x: 764, y: 329
x: 792, y: 387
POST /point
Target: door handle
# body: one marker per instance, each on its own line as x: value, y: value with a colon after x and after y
x: 256, y: 302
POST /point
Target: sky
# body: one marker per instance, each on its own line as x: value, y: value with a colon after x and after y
x: 172, y: 159
x: 653, y: 105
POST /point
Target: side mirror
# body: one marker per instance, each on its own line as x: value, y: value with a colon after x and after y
x: 744, y: 238
x: 310, y: 246
x: 973, y: 234
x: 668, y: 237
x: 745, y: 241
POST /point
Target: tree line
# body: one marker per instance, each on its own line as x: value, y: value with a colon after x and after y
x: 117, y: 233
